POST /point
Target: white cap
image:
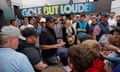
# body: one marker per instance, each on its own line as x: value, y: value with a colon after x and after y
x: 11, y: 31
x: 42, y: 20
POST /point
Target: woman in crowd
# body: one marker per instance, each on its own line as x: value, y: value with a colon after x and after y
x: 68, y: 34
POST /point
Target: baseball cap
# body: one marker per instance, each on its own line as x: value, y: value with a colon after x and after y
x: 49, y: 19
x: 29, y: 32
x: 104, y: 15
x: 42, y: 20
x: 11, y: 31
x: 94, y: 17
x: 84, y: 37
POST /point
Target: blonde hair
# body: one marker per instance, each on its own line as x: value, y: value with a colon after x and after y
x: 67, y: 22
x: 54, y: 69
x: 93, y: 45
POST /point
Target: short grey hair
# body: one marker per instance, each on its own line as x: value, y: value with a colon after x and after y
x: 3, y: 39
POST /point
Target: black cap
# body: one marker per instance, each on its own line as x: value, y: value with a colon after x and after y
x: 29, y: 32
x: 84, y: 37
x: 49, y: 19
x: 104, y: 15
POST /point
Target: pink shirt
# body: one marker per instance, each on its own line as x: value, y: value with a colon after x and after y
x: 96, y: 30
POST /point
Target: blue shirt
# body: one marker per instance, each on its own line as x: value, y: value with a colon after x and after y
x: 104, y: 28
x: 114, y: 59
x: 117, y: 68
x: 39, y: 30
x: 82, y: 25
x: 12, y: 61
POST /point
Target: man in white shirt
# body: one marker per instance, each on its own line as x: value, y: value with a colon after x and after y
x: 74, y: 24
x: 112, y: 21
x: 26, y: 24
x: 14, y: 23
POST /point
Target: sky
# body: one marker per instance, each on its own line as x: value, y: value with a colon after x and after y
x: 35, y: 3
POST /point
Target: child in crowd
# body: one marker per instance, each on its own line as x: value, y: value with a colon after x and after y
x: 82, y: 59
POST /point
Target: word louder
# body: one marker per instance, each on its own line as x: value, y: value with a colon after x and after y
x: 60, y: 9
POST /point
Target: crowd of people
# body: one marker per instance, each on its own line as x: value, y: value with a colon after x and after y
x: 78, y: 43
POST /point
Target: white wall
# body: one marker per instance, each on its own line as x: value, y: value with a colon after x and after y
x: 115, y: 3
x: 116, y: 10
x: 35, y: 3
x: 17, y: 3
x: 116, y: 7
